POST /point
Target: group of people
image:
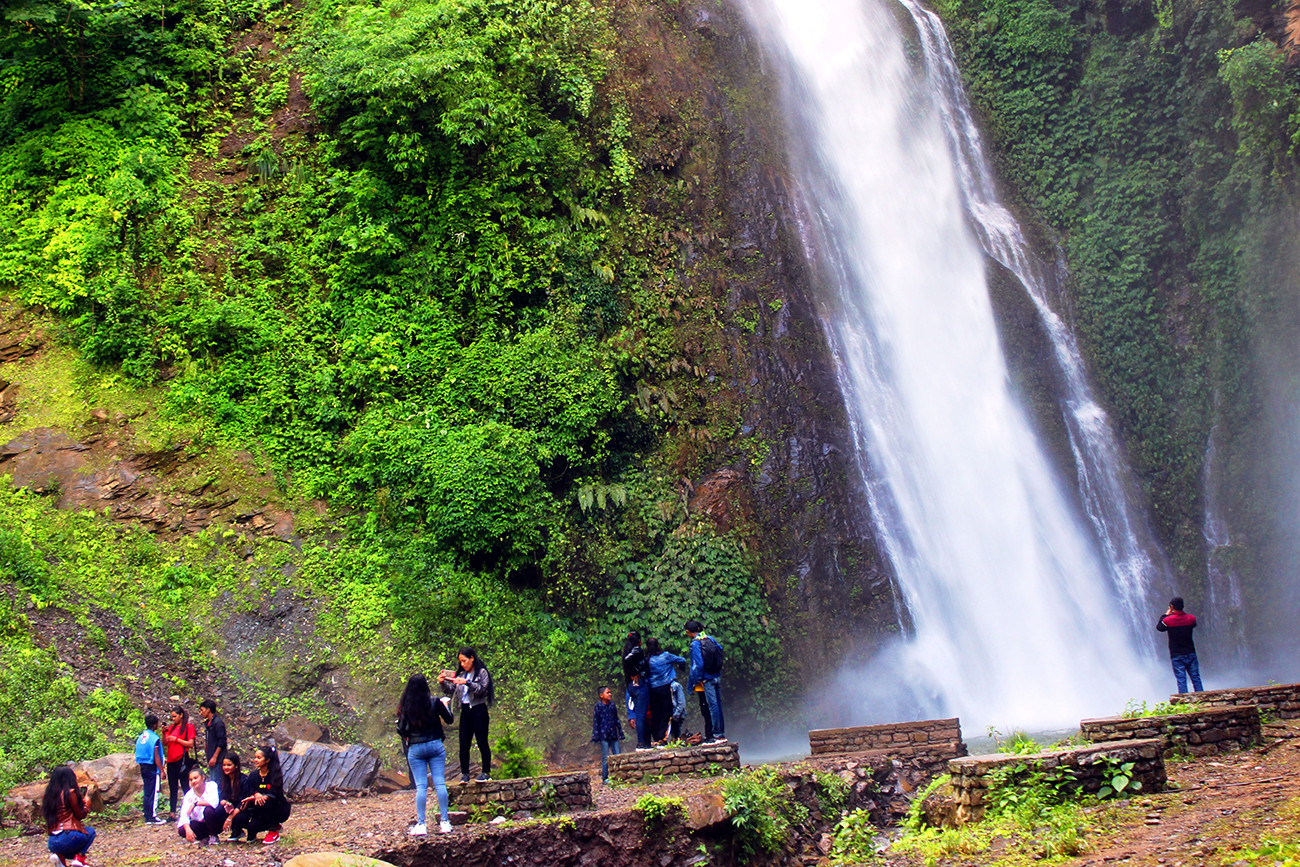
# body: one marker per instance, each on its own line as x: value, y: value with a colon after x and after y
x: 656, y: 701
x: 212, y: 793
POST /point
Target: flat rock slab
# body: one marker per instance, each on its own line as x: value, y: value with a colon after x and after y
x: 318, y: 767
x: 334, y: 859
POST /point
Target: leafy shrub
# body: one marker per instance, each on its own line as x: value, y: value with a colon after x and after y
x: 514, y: 757
x: 656, y: 810
x: 762, y: 810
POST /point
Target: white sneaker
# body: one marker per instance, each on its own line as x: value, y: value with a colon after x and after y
x: 55, y: 859
x: 417, y: 830
x: 444, y: 827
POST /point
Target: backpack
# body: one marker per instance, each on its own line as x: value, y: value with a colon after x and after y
x: 712, y: 654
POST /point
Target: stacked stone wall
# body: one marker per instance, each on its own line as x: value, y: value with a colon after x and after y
x: 1281, y: 700
x: 1086, y: 765
x: 556, y: 793
x: 1198, y: 733
x: 636, y: 766
x: 879, y: 783
x: 935, y: 736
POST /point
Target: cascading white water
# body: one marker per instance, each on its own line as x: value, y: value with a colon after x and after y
x: 1014, y: 618
x: 1134, y: 558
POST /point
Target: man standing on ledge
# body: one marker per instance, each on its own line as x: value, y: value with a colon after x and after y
x: 1182, y: 651
x: 706, y: 670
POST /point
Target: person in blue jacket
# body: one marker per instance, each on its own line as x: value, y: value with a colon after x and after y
x: 148, y: 755
x: 606, y: 730
x: 710, y: 681
x: 662, y: 674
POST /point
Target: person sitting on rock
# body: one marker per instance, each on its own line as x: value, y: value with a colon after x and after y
x: 201, y: 817
x: 63, y: 809
x: 265, y: 807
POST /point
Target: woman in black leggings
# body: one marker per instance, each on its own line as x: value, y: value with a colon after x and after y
x: 264, y: 806
x: 473, y: 692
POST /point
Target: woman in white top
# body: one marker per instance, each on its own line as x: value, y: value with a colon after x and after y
x: 201, y: 817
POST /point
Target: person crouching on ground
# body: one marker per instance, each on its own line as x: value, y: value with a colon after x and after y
x: 265, y: 808
x: 201, y: 817
x: 63, y: 809
x: 606, y: 730
x: 419, y: 724
x: 1182, y: 650
x: 231, y: 786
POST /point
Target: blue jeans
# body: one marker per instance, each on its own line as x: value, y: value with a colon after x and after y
x: 429, y: 757
x: 607, y: 749
x: 640, y: 707
x: 1183, y: 666
x: 149, y: 776
x: 66, y: 844
x: 713, y: 695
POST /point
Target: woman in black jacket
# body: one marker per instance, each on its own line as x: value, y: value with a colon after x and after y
x: 262, y: 806
x: 636, y: 676
x: 473, y: 693
x: 419, y: 723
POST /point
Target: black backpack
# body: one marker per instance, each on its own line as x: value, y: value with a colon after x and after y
x: 712, y: 655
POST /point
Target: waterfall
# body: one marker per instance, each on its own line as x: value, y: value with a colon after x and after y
x: 1131, y: 553
x: 1017, y: 613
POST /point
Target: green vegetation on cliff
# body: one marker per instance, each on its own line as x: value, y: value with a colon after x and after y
x: 1157, y: 141
x: 394, y: 251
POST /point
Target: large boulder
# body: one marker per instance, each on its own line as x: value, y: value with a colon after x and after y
x: 297, y: 728
x: 23, y: 803
x: 117, y: 775
x: 309, y: 766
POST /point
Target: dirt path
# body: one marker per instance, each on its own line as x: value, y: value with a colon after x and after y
x: 1217, y: 811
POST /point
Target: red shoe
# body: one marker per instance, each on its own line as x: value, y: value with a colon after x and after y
x: 271, y: 837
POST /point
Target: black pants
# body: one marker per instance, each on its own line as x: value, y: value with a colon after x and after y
x: 661, y: 710
x: 174, y: 782
x: 706, y: 716
x: 474, y: 726
x: 255, y: 819
x: 214, y: 819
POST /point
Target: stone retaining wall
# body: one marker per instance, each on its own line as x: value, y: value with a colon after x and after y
x: 970, y: 776
x: 880, y: 783
x: 635, y: 766
x: 1200, y: 733
x: 556, y: 793
x: 1282, y: 700
x: 933, y: 735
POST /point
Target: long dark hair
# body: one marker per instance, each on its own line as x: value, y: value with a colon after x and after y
x: 416, y: 705
x: 274, y: 776
x: 479, y: 665
x: 652, y: 647
x: 236, y: 779
x: 185, y: 721
x: 62, y: 781
x: 633, y: 640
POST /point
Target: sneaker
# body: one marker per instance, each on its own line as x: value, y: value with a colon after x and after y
x: 55, y: 859
x: 271, y: 837
x: 482, y: 778
x: 78, y: 860
x: 464, y: 778
x: 155, y: 821
x: 418, y: 830
x: 644, y: 749
x: 444, y: 827
x: 235, y: 837
x: 720, y: 739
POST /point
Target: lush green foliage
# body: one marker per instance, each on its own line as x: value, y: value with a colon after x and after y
x: 516, y: 759
x: 655, y: 810
x: 1136, y: 709
x: 1111, y: 128
x: 762, y: 810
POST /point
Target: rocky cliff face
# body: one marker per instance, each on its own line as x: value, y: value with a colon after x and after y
x: 707, y: 111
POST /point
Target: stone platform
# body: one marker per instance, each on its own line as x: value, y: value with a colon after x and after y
x: 554, y: 793
x: 1282, y: 700
x: 636, y: 766
x: 1087, y: 766
x: 1199, y: 733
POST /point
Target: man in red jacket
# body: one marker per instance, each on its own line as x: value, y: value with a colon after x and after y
x: 1182, y: 651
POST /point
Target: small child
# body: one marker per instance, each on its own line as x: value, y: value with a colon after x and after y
x: 679, y: 712
x: 148, y: 755
x: 606, y: 730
